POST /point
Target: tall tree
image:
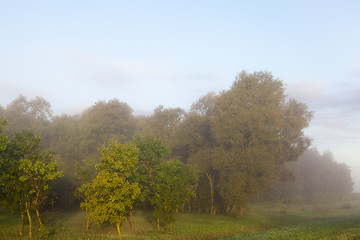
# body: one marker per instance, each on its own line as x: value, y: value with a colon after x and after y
x: 256, y: 131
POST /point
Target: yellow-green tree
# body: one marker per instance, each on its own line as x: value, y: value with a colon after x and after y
x: 112, y: 193
x: 28, y: 172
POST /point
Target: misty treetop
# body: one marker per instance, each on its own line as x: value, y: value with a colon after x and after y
x: 239, y: 142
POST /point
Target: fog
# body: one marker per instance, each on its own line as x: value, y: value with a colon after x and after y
x: 171, y: 54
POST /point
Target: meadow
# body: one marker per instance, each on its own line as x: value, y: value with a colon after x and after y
x: 261, y: 221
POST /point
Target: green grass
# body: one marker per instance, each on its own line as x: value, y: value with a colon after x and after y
x: 343, y: 227
x: 261, y: 221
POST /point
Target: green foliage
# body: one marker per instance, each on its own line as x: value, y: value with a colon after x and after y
x: 152, y: 152
x: 28, y: 172
x: 37, y: 175
x: 112, y: 193
x: 174, y: 184
x: 240, y: 139
x: 237, y: 140
x: 3, y: 166
x: 3, y: 137
x: 256, y: 131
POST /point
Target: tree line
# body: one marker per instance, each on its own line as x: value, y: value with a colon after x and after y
x: 237, y: 142
x: 316, y: 178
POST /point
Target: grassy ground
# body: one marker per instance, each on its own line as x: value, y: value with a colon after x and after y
x: 261, y: 221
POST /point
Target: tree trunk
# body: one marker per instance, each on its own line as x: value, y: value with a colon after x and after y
x: 211, y: 192
x: 131, y: 220
x: 28, y: 214
x: 239, y: 211
x: 158, y: 224
x: 170, y: 227
x: 22, y: 224
x: 87, y: 223
x: 118, y: 230
x: 38, y: 216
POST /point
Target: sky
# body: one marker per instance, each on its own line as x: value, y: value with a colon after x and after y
x: 151, y: 53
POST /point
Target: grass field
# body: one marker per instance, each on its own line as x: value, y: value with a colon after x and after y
x: 261, y: 221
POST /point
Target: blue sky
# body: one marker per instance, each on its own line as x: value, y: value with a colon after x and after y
x: 147, y: 53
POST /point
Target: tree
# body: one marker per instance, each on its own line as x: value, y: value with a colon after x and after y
x: 37, y: 174
x: 152, y: 153
x: 105, y: 120
x: 256, y: 131
x: 98, y: 124
x: 112, y: 193
x: 163, y: 122
x: 28, y: 172
x: 174, y: 184
x: 34, y: 114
